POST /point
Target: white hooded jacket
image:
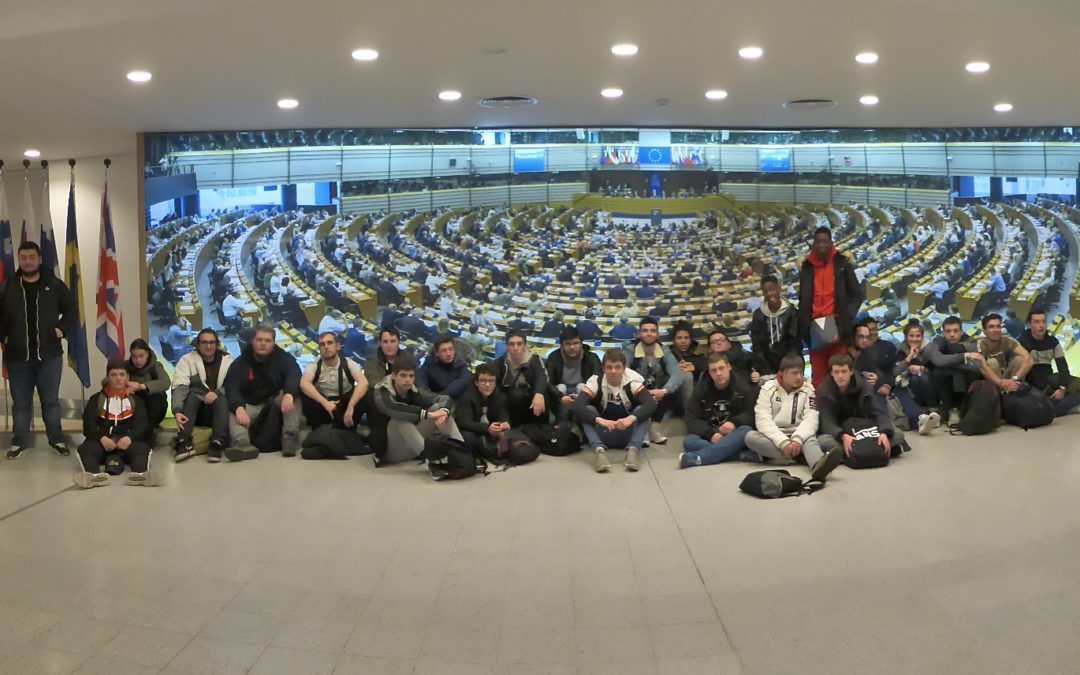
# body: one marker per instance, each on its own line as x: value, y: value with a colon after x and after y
x: 784, y: 417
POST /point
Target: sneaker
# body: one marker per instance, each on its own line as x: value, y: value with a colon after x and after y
x: 240, y: 454
x: 688, y: 459
x: 954, y: 417
x: 289, y: 445
x: 61, y: 448
x: 438, y: 473
x: 15, y: 452
x: 87, y: 480
x: 633, y: 459
x: 655, y: 436
x: 935, y: 421
x: 214, y: 452
x: 924, y: 425
x: 184, y: 450
x: 824, y: 466
x: 146, y: 478
x: 601, y: 461
x: 749, y: 456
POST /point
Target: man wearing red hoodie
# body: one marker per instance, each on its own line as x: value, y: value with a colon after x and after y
x: 829, y: 299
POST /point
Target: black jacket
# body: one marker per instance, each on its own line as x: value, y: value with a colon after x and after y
x: 879, y: 359
x: 590, y: 365
x: 836, y: 407
x: 56, y: 309
x: 848, y: 297
x: 535, y: 375
x: 255, y: 382
x: 469, y: 408
x: 411, y: 408
x: 710, y: 407
x: 774, y: 336
x: 137, y: 427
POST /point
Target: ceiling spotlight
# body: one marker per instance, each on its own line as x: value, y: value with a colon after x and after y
x: 866, y: 58
x: 869, y: 100
x: 716, y: 94
x: 139, y: 76
x: 1003, y: 107
x: 288, y: 103
x: 624, y: 49
x: 32, y: 153
x: 751, y: 52
x: 611, y: 93
x: 977, y: 67
x: 449, y: 95
x: 365, y: 54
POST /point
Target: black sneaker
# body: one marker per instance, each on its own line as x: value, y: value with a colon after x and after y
x: 437, y: 472
x: 61, y: 448
x: 824, y: 466
x: 15, y: 452
x: 184, y: 450
x: 240, y: 454
x: 214, y: 452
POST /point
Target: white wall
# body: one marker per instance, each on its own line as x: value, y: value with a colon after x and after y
x: 127, y: 222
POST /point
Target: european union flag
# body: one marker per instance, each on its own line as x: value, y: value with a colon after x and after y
x: 654, y: 155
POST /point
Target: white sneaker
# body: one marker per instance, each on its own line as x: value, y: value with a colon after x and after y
x: 87, y: 480
x: 601, y: 462
x: 633, y: 459
x: 935, y: 421
x: 655, y: 436
x: 924, y: 424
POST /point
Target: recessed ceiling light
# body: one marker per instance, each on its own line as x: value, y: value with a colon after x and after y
x: 365, y: 54
x: 716, y: 94
x: 624, y: 49
x: 869, y: 100
x: 288, y: 103
x: 977, y: 67
x: 449, y: 95
x: 139, y: 76
x: 866, y: 57
x: 1003, y: 107
x: 751, y: 52
x: 32, y: 153
x: 611, y: 93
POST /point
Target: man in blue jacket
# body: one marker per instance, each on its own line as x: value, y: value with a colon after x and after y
x: 443, y: 372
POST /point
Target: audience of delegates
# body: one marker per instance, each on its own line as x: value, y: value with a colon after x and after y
x: 117, y: 433
x: 198, y: 396
x: 844, y: 395
x: 661, y: 373
x: 1047, y: 355
x: 719, y: 416
x: 262, y: 386
x: 333, y: 386
x: 148, y: 380
x: 404, y: 416
x: 443, y: 372
x: 568, y: 369
x: 484, y: 422
x: 614, y: 409
x: 829, y: 299
x: 36, y: 311
x: 774, y: 329
x: 523, y: 380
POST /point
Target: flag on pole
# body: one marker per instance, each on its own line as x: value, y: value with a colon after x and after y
x: 109, y: 336
x: 78, y: 356
x: 7, y: 260
x: 47, y: 240
x: 28, y: 211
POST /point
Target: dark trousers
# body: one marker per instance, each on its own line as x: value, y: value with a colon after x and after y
x: 671, y: 403
x: 317, y: 416
x: 92, y: 455
x: 947, y: 381
x: 156, y: 407
x: 44, y: 376
x: 519, y: 406
x: 215, y: 416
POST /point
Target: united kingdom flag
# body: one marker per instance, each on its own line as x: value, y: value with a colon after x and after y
x: 110, y: 321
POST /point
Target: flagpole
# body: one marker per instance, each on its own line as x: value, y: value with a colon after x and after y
x: 77, y: 292
x: 7, y: 399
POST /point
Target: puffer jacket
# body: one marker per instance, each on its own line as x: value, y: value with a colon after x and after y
x: 783, y: 416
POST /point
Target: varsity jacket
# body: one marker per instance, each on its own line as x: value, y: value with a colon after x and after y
x: 783, y: 416
x: 189, y: 377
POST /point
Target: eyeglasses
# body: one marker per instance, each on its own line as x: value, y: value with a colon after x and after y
x: 208, y: 342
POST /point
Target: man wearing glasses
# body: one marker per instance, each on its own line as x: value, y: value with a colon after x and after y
x: 198, y: 396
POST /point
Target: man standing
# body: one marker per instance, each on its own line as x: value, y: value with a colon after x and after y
x: 36, y: 310
x: 332, y: 387
x: 443, y: 372
x: 719, y: 416
x: 658, y: 368
x: 198, y: 396
x: 568, y: 369
x: 774, y: 329
x: 829, y: 299
x: 614, y: 410
x: 264, y: 380
x: 523, y: 380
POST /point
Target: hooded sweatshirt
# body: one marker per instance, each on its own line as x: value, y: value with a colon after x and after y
x: 773, y: 335
x: 152, y: 374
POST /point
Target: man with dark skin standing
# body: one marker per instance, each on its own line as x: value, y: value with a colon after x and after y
x: 829, y: 299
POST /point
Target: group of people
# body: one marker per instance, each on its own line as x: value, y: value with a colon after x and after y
x: 738, y: 404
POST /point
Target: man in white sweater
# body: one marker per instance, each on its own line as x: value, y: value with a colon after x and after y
x: 786, y: 418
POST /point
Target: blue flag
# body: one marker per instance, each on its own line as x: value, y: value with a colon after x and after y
x: 78, y: 350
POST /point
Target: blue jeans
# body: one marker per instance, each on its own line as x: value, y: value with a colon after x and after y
x: 700, y: 452
x: 24, y: 377
x: 618, y: 438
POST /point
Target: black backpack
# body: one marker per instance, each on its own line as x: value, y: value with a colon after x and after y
x: 776, y: 483
x: 1027, y: 408
x: 866, y: 452
x: 981, y: 411
x: 557, y: 440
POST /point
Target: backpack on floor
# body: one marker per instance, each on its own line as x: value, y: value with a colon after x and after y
x: 866, y: 452
x: 557, y: 440
x: 776, y: 483
x: 981, y: 411
x: 520, y: 449
x: 1027, y: 408
x: 454, y: 455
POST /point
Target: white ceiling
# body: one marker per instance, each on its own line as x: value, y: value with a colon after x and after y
x: 222, y: 64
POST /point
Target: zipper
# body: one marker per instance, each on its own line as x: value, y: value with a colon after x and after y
x: 26, y: 318
x: 794, y: 405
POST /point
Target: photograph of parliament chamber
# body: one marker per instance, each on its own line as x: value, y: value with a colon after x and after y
x: 464, y: 337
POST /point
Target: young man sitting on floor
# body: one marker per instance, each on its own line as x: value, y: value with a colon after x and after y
x: 844, y: 395
x: 614, y: 411
x: 719, y: 416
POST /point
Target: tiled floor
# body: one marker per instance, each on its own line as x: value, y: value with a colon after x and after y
x: 960, y: 557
